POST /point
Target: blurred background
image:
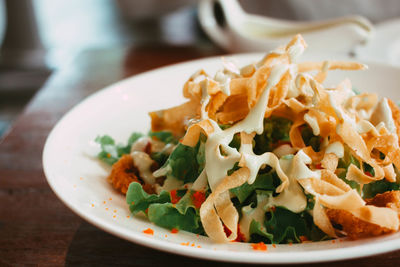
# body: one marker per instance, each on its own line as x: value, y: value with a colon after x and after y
x: 39, y: 37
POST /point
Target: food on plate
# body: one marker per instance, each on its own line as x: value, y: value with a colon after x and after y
x: 266, y: 153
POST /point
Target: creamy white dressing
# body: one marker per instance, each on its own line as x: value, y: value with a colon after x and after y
x: 313, y: 123
x: 224, y: 82
x: 293, y: 197
x: 201, y: 182
x: 295, y: 51
x: 217, y: 164
x: 249, y: 214
x: 335, y: 148
x: 171, y: 183
x: 143, y: 162
x: 383, y: 113
x: 364, y: 126
x: 140, y: 144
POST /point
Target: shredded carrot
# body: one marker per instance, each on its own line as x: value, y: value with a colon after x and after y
x: 148, y: 231
x: 259, y: 246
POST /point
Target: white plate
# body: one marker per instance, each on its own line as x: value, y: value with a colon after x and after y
x: 79, y: 180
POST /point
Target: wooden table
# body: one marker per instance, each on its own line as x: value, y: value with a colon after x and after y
x: 35, y: 227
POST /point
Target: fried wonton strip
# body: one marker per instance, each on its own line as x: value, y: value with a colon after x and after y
x: 215, y: 103
x: 353, y: 227
x: 355, y: 174
x: 210, y: 219
x: 364, y: 101
x: 333, y: 65
x: 192, y: 89
x: 330, y: 177
x: 352, y: 202
x: 396, y: 116
x: 320, y: 187
x: 330, y: 162
x: 173, y: 119
x: 295, y: 134
x: 193, y: 133
x: 355, y: 142
x: 389, y: 199
x: 321, y: 219
x: 323, y: 72
x: 388, y: 145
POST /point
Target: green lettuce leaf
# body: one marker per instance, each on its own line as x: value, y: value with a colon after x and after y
x: 266, y: 181
x: 111, y: 152
x: 160, y: 210
x: 259, y: 233
x: 372, y: 189
x: 310, y: 139
x: 275, y: 129
x: 286, y: 226
x: 164, y: 136
x: 139, y: 201
x: 186, y: 162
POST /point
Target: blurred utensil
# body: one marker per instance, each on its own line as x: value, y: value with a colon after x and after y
x: 243, y: 32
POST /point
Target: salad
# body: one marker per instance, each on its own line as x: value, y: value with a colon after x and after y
x: 266, y: 153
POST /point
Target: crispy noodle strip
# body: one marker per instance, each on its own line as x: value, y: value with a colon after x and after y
x: 211, y: 220
x: 193, y: 133
x: 333, y: 65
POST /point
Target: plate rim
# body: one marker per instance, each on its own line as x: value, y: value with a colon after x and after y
x: 334, y: 254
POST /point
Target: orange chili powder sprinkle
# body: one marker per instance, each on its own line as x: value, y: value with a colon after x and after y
x: 110, y: 198
x: 104, y: 202
x: 174, y: 197
x: 259, y: 246
x: 115, y: 211
x: 148, y: 231
x: 174, y: 231
x: 114, y: 216
x: 106, y: 208
x: 198, y: 246
x: 127, y: 216
x: 92, y: 205
x: 333, y: 241
x: 198, y: 198
x: 192, y: 245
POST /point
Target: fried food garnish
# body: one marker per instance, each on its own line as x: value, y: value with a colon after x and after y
x: 354, y: 227
x: 389, y: 199
x: 123, y: 173
x: 395, y: 115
